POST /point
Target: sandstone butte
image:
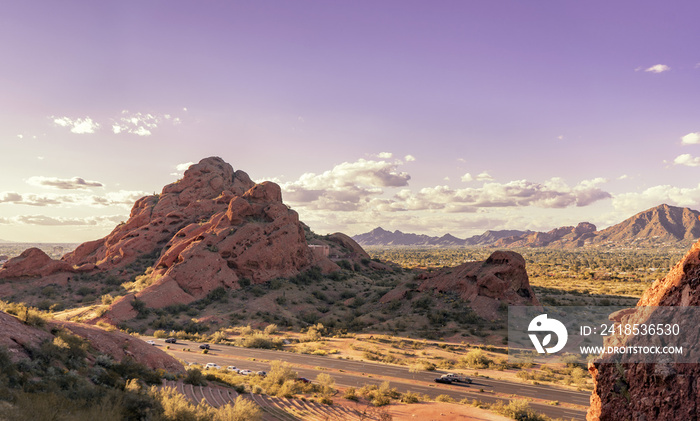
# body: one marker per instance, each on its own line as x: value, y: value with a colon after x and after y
x: 656, y: 391
x: 501, y: 278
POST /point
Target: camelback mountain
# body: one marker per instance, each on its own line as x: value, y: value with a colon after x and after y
x: 658, y: 391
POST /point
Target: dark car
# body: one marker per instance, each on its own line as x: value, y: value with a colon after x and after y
x: 304, y: 380
x: 171, y: 341
x: 443, y: 380
x: 204, y: 346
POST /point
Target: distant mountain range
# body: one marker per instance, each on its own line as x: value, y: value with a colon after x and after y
x: 661, y: 225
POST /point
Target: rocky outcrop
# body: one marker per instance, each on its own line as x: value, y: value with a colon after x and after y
x: 655, y: 391
x: 214, y: 228
x: 206, y: 189
x: 33, y: 263
x: 501, y: 278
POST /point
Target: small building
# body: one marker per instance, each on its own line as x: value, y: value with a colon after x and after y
x: 320, y: 249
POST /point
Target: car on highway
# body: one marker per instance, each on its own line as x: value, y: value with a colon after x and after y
x: 212, y: 365
x: 261, y: 373
x: 233, y: 368
x: 303, y: 380
x: 171, y: 341
x: 444, y: 380
x: 150, y: 342
x: 457, y: 378
x: 245, y: 372
x: 204, y: 346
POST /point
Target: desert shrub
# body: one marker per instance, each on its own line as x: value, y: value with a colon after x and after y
x: 351, y: 394
x: 445, y: 398
x: 518, y: 409
x: 160, y: 334
x: 194, y: 377
x: 241, y: 410
x: 271, y: 329
x: 410, y: 397
x: 475, y: 358
x: 259, y: 340
x: 326, y: 384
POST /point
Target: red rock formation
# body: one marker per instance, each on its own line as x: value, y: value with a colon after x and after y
x: 655, y: 391
x: 33, y: 263
x: 18, y: 338
x: 214, y: 227
x: 119, y: 345
x: 500, y: 278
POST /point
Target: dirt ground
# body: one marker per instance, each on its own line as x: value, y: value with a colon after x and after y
x: 435, y: 411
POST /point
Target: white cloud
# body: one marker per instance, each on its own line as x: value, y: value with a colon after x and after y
x: 184, y: 166
x: 691, y: 138
x: 658, y: 68
x: 467, y: 178
x: 688, y: 160
x: 623, y: 177
x: 484, y: 176
x: 121, y: 198
x: 21, y: 136
x: 58, y: 221
x: 409, y: 158
x: 63, y: 183
x: 385, y: 155
x: 78, y: 125
x: 560, y: 137
x: 345, y: 187
x: 140, y: 124
x: 630, y: 203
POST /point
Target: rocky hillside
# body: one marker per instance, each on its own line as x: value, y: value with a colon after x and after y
x: 566, y: 237
x: 22, y: 340
x: 382, y: 237
x: 655, y: 391
x: 662, y: 225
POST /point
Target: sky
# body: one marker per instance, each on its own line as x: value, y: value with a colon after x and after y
x: 426, y: 117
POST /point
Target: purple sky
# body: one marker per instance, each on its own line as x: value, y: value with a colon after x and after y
x: 569, y: 111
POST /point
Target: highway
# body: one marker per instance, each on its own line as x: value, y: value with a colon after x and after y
x: 358, y: 373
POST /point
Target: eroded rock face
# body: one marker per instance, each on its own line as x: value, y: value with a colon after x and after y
x: 211, y: 229
x: 18, y: 338
x: 653, y: 391
x: 501, y: 278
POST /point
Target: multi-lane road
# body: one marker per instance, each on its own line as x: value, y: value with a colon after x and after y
x: 358, y: 373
